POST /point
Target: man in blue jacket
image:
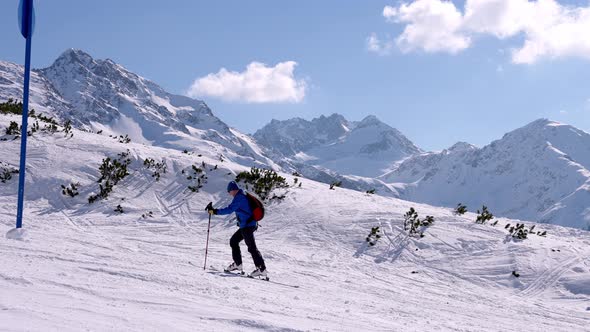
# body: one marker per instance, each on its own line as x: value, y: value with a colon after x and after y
x: 247, y: 225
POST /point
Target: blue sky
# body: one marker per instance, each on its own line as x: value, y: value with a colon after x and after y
x: 461, y: 84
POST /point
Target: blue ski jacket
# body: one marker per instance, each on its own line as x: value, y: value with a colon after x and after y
x: 241, y: 207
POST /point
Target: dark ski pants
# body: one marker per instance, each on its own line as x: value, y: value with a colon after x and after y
x: 246, y: 234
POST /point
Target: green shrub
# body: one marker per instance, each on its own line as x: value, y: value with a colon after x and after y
x: 521, y: 232
x: 111, y: 172
x: 374, y: 236
x: 68, y: 129
x: 197, y: 178
x: 6, y: 172
x: 460, y: 209
x: 157, y: 168
x: 13, y: 129
x: 124, y: 139
x: 119, y: 209
x: 263, y: 181
x: 483, y: 216
x: 12, y: 107
x: 71, y: 190
x: 335, y: 184
x: 413, y: 224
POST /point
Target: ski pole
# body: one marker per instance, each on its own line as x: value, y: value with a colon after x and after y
x: 207, y: 245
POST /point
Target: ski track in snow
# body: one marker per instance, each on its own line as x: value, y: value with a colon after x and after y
x: 84, y: 267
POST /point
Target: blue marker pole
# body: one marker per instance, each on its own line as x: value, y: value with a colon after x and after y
x: 26, y: 25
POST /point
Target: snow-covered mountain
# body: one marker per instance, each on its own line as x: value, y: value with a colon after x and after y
x: 43, y: 97
x: 538, y: 172
x: 366, y: 148
x: 84, y: 266
x: 100, y: 95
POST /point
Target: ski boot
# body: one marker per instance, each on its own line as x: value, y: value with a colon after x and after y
x: 260, y: 274
x: 234, y: 267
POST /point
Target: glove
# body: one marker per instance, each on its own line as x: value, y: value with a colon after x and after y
x: 210, y: 209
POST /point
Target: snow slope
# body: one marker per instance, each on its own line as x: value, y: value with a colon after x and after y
x: 538, y: 172
x: 85, y: 267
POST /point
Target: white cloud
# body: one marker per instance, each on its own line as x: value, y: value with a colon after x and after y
x: 550, y: 30
x: 375, y: 45
x: 257, y: 84
x: 432, y: 25
x: 500, y: 18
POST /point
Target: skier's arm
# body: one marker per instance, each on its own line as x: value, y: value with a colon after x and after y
x: 229, y: 209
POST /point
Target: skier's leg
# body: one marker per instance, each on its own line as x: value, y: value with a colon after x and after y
x: 234, y: 243
x: 248, y: 235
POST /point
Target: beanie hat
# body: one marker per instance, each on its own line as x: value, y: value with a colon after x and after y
x: 232, y: 186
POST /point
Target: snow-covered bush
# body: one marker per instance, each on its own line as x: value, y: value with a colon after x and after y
x: 68, y: 128
x: 111, y: 172
x: 16, y: 108
x: 483, y: 216
x: 11, y: 107
x: 414, y: 225
x: 71, y: 190
x: 374, y: 236
x: 124, y: 139
x: 460, y: 209
x: 263, y: 181
x: 335, y: 184
x: 13, y: 129
x: 50, y: 128
x: 410, y: 217
x: 197, y: 177
x: 6, y: 172
x: 119, y: 209
x: 158, y: 168
x: 521, y: 232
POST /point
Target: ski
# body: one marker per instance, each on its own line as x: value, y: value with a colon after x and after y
x: 265, y: 278
x: 224, y: 272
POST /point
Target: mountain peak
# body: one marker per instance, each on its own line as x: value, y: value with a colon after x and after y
x: 336, y: 116
x: 462, y: 146
x: 544, y: 122
x: 335, y: 120
x: 541, y: 129
x: 73, y: 55
x: 370, y: 120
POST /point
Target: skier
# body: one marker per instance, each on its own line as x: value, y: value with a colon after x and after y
x: 247, y: 225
